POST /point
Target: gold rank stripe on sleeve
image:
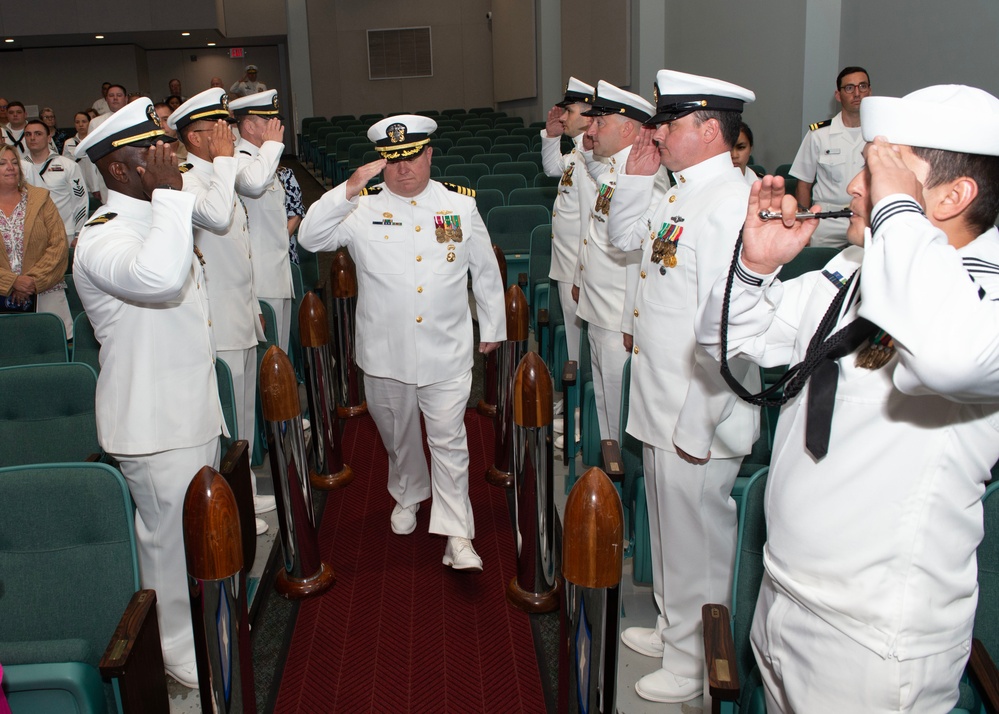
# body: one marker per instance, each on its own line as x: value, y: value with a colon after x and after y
x: 101, y: 220
x: 463, y: 190
x: 819, y: 124
x: 373, y: 191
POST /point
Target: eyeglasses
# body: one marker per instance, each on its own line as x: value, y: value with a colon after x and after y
x: 851, y: 88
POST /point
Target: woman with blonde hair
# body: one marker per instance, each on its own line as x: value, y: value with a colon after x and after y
x: 34, y: 255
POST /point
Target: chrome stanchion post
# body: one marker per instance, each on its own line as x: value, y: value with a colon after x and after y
x: 330, y: 471
x: 343, y: 281
x: 536, y: 588
x: 500, y: 473
x: 217, y: 587
x: 304, y: 572
x: 487, y: 405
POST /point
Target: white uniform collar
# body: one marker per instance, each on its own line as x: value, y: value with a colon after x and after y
x: 128, y: 207
x: 706, y: 170
x: 198, y: 164
x: 244, y: 145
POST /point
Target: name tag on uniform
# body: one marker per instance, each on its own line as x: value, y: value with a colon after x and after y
x: 56, y: 167
x: 833, y: 151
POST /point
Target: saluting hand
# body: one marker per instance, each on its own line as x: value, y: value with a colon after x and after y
x: 767, y: 245
x: 359, y: 179
x: 274, y: 131
x: 553, y: 126
x: 644, y: 157
x: 160, y: 169
x: 889, y: 174
x: 221, y: 142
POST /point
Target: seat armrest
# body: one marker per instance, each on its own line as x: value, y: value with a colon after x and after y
x: 610, y: 452
x: 135, y: 659
x: 719, y: 654
x: 984, y: 675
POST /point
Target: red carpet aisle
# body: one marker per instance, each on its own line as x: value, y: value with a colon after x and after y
x: 399, y: 632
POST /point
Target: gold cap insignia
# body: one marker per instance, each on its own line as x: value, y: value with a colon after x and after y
x: 153, y: 117
x: 396, y: 133
x: 224, y: 101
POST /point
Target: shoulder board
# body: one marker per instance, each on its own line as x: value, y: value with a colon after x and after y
x: 373, y: 191
x: 244, y: 151
x: 819, y: 124
x: 463, y: 190
x: 101, y: 220
x: 184, y: 168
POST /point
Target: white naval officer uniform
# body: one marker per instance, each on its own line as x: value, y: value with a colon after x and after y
x: 158, y: 410
x: 570, y: 222
x: 246, y: 88
x: 892, y: 513
x: 263, y: 195
x: 414, y: 328
x: 829, y: 157
x: 675, y: 399
x: 220, y: 232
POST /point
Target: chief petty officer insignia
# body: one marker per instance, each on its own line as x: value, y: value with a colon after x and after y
x: 448, y: 229
x: 603, y: 199
x: 819, y: 124
x: 664, y: 246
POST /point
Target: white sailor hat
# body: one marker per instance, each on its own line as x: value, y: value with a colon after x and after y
x: 953, y: 117
x: 135, y: 124
x: 211, y: 105
x: 402, y: 136
x: 250, y: 68
x: 576, y: 91
x: 678, y: 94
x: 262, y: 104
x: 614, y: 100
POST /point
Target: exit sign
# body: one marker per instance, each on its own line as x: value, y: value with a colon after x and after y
x: 235, y: 52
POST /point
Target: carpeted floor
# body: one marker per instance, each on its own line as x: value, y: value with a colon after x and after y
x: 399, y: 632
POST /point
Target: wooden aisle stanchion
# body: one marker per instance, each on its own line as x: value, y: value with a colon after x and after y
x: 330, y: 471
x: 536, y: 587
x: 500, y: 473
x: 343, y: 286
x: 487, y: 405
x: 592, y: 559
x: 304, y: 573
x: 217, y: 586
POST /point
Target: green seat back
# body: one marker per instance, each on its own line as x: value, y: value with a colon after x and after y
x: 491, y: 134
x: 32, y: 338
x: 512, y: 140
x: 532, y: 156
x: 72, y: 297
x: 442, y: 160
x: 86, y: 348
x: 503, y: 182
x: 987, y: 616
x: 809, y: 259
x: 470, y: 171
x: 748, y: 576
x: 47, y: 414
x: 541, y: 196
x: 491, y: 159
x: 528, y: 169
x: 487, y: 198
x: 483, y: 142
x: 227, y: 397
x: 510, y: 227
x: 543, y: 180
x: 464, y: 152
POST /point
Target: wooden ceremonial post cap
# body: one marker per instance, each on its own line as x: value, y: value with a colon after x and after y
x: 343, y: 275
x: 532, y: 393
x: 517, y: 315
x: 278, y: 387
x: 593, y: 532
x: 313, y: 327
x: 212, y: 537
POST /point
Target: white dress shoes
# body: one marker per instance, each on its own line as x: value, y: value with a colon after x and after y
x: 664, y: 686
x: 263, y: 504
x: 261, y: 526
x: 460, y: 555
x: 186, y: 674
x: 643, y: 640
x: 404, y: 519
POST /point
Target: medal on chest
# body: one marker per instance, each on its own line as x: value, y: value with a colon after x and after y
x: 567, y: 175
x: 450, y: 253
x: 603, y: 199
x: 664, y: 246
x: 878, y: 351
x: 448, y: 228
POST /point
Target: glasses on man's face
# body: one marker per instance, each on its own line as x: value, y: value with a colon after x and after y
x: 851, y: 88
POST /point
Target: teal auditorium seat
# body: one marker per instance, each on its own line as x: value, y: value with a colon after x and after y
x: 527, y: 169
x: 68, y: 571
x: 270, y: 338
x: 32, y: 338
x: 539, y: 267
x: 510, y: 229
x: 533, y: 196
x: 487, y: 199
x: 72, y: 297
x: 492, y: 158
x: 470, y: 171
x: 47, y: 415
x: 503, y: 182
x: 86, y: 348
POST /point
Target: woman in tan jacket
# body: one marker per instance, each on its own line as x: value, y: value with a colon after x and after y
x: 34, y: 255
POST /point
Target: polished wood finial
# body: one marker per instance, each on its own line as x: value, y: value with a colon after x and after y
x: 593, y: 532
x: 313, y: 326
x: 532, y: 393
x: 211, y: 527
x: 278, y: 387
x: 517, y: 315
x: 343, y: 275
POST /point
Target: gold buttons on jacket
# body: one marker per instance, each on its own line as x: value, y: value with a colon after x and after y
x: 636, y: 312
x: 412, y: 203
x: 419, y: 289
x: 584, y: 241
x: 417, y: 229
x: 636, y: 350
x: 419, y: 258
x: 672, y: 198
x: 419, y: 318
x: 209, y: 323
x: 386, y: 237
x: 643, y: 275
